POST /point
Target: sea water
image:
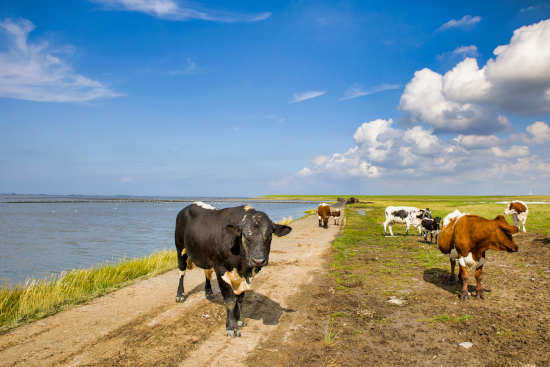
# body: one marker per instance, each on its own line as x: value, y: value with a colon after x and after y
x: 42, y: 236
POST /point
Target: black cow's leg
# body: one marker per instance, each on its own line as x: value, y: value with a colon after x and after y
x: 207, y: 286
x: 230, y: 303
x: 239, y: 309
x: 182, y: 265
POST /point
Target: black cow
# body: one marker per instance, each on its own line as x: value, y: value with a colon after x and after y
x: 233, y: 242
x: 431, y: 226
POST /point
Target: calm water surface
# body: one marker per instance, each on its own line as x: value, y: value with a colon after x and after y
x: 38, y: 239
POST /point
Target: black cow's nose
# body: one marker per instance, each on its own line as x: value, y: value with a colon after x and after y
x: 259, y: 262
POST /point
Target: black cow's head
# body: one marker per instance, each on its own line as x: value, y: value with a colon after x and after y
x: 255, y: 231
x: 424, y: 213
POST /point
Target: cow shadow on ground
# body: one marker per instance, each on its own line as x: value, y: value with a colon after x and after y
x: 256, y: 306
x: 543, y: 241
x: 440, y: 278
x: 398, y: 235
x: 197, y: 289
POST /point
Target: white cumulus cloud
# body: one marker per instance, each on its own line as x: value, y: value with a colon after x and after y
x: 386, y: 153
x: 514, y: 151
x: 540, y: 132
x: 181, y: 11
x: 424, y: 101
x: 477, y: 141
x: 423, y: 141
x: 36, y: 72
x: 470, y: 99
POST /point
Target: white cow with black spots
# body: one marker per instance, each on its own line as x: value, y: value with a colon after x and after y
x: 408, y: 215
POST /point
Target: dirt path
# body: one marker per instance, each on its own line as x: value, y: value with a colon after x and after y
x: 141, y: 325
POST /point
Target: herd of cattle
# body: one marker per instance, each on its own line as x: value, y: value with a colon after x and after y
x: 234, y: 244
x: 464, y: 237
x: 324, y: 212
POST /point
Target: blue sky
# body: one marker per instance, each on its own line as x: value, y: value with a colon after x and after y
x: 168, y: 97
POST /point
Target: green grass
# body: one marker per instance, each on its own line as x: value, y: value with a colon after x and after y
x: 408, y: 198
x: 485, y: 206
x: 366, y: 263
x: 40, y: 298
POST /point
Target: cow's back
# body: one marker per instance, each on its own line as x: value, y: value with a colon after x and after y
x: 323, y: 210
x: 517, y: 206
x: 202, y: 232
x: 400, y: 213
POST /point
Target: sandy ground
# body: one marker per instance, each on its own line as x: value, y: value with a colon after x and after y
x: 142, y: 325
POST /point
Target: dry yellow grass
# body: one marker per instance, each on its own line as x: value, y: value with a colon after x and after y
x: 285, y: 221
x: 39, y: 298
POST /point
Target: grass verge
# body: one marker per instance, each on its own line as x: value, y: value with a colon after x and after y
x: 385, y: 300
x: 40, y: 298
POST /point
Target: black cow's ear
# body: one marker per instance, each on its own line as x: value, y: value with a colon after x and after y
x: 281, y: 230
x: 233, y: 229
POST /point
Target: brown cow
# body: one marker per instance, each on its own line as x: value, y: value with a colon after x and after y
x: 323, y: 212
x: 519, y: 211
x: 466, y: 239
x: 335, y: 213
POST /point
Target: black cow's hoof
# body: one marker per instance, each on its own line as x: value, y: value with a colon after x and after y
x: 209, y: 295
x: 180, y: 299
x: 241, y: 323
x: 233, y: 333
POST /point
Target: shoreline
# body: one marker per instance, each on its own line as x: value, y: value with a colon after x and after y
x: 114, y: 200
x: 10, y: 292
x: 42, y: 297
x: 142, y: 325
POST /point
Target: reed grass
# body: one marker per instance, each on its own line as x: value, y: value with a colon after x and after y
x: 42, y: 297
x: 285, y: 221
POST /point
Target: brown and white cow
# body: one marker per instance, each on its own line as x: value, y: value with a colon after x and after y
x: 465, y: 239
x: 519, y: 211
x: 323, y: 213
x: 336, y: 214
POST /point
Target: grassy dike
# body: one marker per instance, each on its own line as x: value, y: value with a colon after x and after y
x: 485, y: 206
x: 385, y: 301
x: 369, y: 270
x: 40, y: 298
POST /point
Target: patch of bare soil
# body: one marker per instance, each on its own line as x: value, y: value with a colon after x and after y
x: 142, y: 325
x: 355, y: 323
